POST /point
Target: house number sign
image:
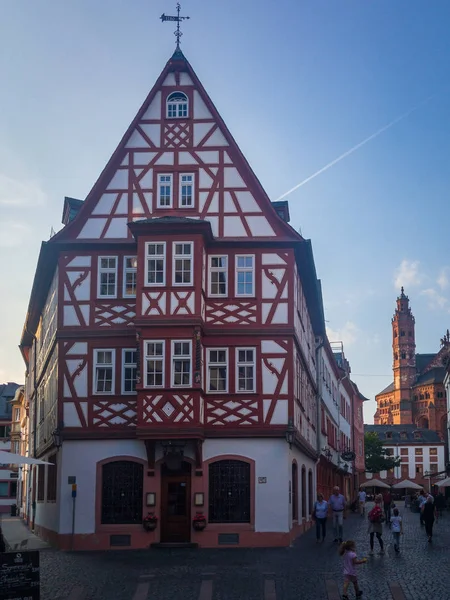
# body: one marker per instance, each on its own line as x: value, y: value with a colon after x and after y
x: 262, y: 479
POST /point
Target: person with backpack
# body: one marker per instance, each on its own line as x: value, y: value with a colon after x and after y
x: 376, y: 519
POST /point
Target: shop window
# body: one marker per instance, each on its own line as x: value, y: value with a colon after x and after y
x: 229, y: 491
x: 303, y: 493
x: 52, y: 470
x: 122, y: 490
x: 41, y: 483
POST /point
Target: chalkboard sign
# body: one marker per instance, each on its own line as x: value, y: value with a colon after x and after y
x: 19, y: 576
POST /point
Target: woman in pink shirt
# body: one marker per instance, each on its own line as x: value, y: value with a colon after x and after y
x: 348, y: 551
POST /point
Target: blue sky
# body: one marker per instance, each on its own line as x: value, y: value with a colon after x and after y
x: 298, y: 84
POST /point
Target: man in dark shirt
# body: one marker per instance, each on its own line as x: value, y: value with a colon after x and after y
x: 387, y: 501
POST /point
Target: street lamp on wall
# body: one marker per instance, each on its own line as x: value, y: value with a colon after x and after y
x: 57, y: 438
x: 327, y: 453
x: 290, y: 433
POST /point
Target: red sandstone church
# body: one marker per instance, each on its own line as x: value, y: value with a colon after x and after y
x: 417, y: 394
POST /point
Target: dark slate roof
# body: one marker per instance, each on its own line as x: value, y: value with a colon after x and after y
x: 71, y: 208
x: 426, y: 435
x: 389, y: 388
x: 435, y: 375
x: 423, y: 360
x: 7, y: 391
x: 282, y: 206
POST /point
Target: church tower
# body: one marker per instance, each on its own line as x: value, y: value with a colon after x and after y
x: 404, y: 359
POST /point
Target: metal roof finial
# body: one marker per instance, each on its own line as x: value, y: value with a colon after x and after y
x: 178, y: 20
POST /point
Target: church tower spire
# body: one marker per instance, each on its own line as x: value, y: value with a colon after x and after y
x: 404, y: 357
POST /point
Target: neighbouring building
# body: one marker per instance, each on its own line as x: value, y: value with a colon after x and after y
x: 417, y: 395
x: 19, y: 445
x: 422, y: 453
x: 170, y: 345
x: 8, y: 474
x: 447, y: 393
x: 340, y: 422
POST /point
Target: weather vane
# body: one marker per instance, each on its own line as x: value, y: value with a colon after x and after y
x: 178, y: 19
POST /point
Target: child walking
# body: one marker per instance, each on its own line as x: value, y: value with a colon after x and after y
x: 397, y: 529
x: 348, y: 551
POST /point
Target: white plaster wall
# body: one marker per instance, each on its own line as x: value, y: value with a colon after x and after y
x: 412, y: 459
x: 80, y: 458
x: 272, y: 509
x: 308, y: 463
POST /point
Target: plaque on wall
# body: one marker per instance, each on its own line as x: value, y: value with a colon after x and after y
x: 19, y: 576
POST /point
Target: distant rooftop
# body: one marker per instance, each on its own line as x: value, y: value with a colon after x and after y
x: 7, y: 391
x: 401, y: 434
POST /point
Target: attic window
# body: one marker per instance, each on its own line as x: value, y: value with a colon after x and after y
x: 389, y: 435
x: 417, y: 435
x: 403, y: 435
x: 177, y: 105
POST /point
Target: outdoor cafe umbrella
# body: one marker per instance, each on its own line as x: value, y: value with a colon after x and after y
x: 444, y: 483
x: 375, y: 483
x: 8, y: 458
x: 406, y: 484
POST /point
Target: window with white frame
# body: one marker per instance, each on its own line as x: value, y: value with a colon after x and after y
x: 245, y: 369
x: 177, y: 105
x: 129, y: 276
x: 182, y: 263
x: 181, y: 363
x: 154, y: 363
x: 165, y: 190
x: 245, y: 275
x: 104, y: 371
x: 217, y: 369
x: 129, y: 370
x: 218, y: 275
x: 107, y: 276
x: 155, y: 263
x: 186, y: 190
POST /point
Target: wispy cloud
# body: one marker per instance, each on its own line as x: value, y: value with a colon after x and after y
x: 436, y: 301
x: 443, y: 280
x: 12, y: 233
x: 408, y: 274
x: 348, y: 334
x: 17, y: 193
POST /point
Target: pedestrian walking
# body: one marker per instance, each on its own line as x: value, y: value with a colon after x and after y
x: 362, y: 501
x: 397, y: 529
x: 376, y: 519
x: 348, y: 551
x: 422, y: 498
x: 320, y: 514
x: 429, y: 515
x: 387, y: 501
x: 337, y: 503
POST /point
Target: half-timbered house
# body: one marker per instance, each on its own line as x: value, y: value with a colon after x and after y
x: 170, y: 345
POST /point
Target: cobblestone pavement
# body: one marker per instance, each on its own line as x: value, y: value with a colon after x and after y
x: 306, y: 571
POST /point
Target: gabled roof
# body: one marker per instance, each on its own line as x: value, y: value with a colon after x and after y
x: 435, y: 375
x: 388, y: 389
x: 405, y: 434
x: 150, y: 144
x: 422, y: 361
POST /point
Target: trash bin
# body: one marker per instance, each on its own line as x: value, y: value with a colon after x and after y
x: 13, y: 510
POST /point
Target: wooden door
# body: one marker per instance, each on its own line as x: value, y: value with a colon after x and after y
x: 176, y: 505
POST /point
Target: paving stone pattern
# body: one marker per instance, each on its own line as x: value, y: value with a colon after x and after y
x: 306, y: 571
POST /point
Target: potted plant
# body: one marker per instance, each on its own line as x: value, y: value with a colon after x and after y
x: 199, y: 522
x: 150, y: 522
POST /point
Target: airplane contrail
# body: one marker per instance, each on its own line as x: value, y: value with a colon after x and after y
x: 354, y: 148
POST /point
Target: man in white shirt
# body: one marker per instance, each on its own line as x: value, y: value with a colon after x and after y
x: 362, y: 501
x: 337, y: 504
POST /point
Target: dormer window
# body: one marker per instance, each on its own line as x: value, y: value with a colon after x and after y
x: 389, y: 435
x: 177, y: 105
x: 417, y: 435
x: 403, y: 435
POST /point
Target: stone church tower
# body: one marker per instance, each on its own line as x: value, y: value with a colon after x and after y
x: 417, y: 395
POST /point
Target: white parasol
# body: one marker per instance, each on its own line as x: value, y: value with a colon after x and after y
x: 406, y: 484
x: 444, y: 483
x: 375, y: 483
x: 8, y: 458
